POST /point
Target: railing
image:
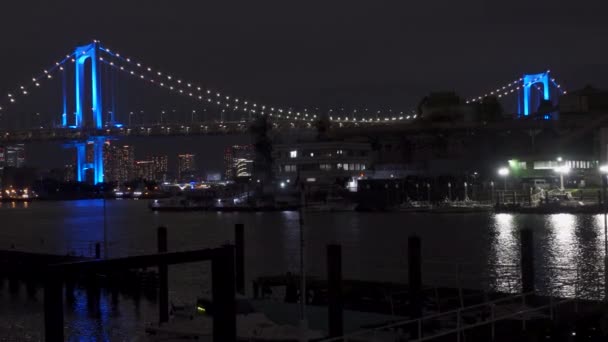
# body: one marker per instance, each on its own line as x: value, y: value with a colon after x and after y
x: 455, y: 321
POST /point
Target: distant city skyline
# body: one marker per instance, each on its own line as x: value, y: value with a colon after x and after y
x: 209, y: 151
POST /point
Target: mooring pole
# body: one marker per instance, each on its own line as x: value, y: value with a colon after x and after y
x: 527, y: 260
x: 223, y: 292
x: 163, y: 278
x: 334, y: 290
x: 239, y: 241
x: 53, y: 308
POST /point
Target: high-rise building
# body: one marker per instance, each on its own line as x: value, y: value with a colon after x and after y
x: 228, y: 164
x: 119, y: 162
x: 69, y: 173
x: 185, y: 165
x: 108, y: 162
x: 238, y: 161
x: 2, y: 156
x: 160, y: 166
x: 14, y: 155
x: 126, y: 163
x: 145, y: 169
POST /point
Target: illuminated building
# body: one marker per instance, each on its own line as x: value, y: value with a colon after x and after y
x: 145, y: 169
x: 69, y: 173
x: 119, y: 162
x: 2, y: 156
x: 108, y: 162
x: 185, y: 165
x: 322, y: 162
x: 228, y: 165
x: 160, y: 166
x: 238, y: 161
x: 14, y: 155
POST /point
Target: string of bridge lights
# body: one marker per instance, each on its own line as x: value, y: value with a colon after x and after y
x: 220, y: 102
x: 36, y: 81
x: 167, y: 81
x: 512, y: 87
x: 189, y: 89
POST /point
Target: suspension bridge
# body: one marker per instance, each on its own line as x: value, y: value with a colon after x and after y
x: 90, y: 78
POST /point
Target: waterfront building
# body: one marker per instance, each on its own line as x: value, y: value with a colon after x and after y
x: 160, y: 166
x: 238, y: 162
x: 145, y: 169
x: 186, y: 165
x: 228, y: 167
x: 69, y: 173
x: 12, y: 155
x: 323, y: 162
x: 119, y: 162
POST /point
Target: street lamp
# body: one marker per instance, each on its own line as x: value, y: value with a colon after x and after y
x: 449, y: 191
x: 504, y: 172
x: 562, y: 170
x: 604, y: 173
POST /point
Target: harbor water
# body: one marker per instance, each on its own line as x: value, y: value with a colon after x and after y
x: 479, y: 250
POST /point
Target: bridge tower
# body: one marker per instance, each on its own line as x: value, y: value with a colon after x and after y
x: 94, y: 122
x: 530, y: 80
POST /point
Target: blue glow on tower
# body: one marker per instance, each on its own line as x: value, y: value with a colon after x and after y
x: 81, y: 55
x: 64, y: 115
x: 530, y: 80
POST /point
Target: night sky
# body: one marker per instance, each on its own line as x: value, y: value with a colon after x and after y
x: 349, y: 54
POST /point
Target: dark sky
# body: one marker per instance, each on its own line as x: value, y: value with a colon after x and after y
x: 327, y: 53
x: 302, y: 52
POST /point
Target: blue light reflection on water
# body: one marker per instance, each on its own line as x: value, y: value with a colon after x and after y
x: 374, y: 248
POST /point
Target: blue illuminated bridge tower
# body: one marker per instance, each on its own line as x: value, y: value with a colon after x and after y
x: 528, y: 82
x: 81, y: 119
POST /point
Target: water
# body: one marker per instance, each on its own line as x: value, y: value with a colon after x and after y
x: 475, y: 250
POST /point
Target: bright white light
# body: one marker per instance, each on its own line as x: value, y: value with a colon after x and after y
x: 503, y: 171
x: 282, y: 185
x: 293, y: 154
x: 559, y: 159
x: 604, y: 169
x: 564, y: 169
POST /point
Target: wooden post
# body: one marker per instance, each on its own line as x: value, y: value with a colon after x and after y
x: 334, y: 291
x: 163, y: 278
x: 53, y: 308
x: 223, y: 292
x: 527, y: 260
x: 415, y: 276
x: 239, y: 241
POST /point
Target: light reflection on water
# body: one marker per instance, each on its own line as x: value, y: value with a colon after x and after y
x: 568, y: 249
x: 568, y: 253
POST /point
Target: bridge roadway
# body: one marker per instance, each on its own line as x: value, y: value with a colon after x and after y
x: 343, y: 129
